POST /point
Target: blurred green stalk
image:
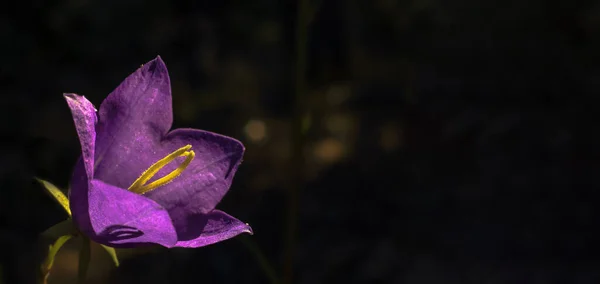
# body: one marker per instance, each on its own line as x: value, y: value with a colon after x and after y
x: 297, y: 159
x: 84, y: 260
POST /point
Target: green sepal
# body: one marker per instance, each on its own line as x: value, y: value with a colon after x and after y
x: 58, y: 195
x: 65, y: 227
x: 113, y: 254
x: 52, y: 251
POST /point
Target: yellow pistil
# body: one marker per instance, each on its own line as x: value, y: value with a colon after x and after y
x: 139, y: 185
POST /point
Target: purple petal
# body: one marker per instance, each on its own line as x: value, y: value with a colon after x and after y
x: 205, y: 181
x: 205, y: 229
x: 84, y: 116
x: 108, y: 214
x: 129, y: 136
x: 132, y: 121
x: 121, y: 218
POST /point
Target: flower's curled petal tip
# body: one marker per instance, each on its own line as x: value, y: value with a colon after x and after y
x: 76, y: 99
x: 249, y: 229
x: 206, y: 229
x: 240, y: 146
x: 71, y: 96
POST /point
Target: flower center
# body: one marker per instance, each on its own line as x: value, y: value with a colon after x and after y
x: 139, y: 186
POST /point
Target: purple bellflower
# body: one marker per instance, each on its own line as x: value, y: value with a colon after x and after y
x: 139, y: 183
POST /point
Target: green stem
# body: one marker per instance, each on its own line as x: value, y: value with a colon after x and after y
x: 84, y: 260
x: 113, y: 254
x: 49, y: 261
x: 297, y: 160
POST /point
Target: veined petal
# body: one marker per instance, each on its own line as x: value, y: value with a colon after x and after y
x: 205, y: 229
x: 132, y: 121
x: 120, y: 218
x: 108, y: 214
x: 128, y: 136
x: 84, y: 116
x: 206, y: 179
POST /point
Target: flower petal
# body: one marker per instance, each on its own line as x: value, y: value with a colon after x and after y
x: 121, y: 218
x: 205, y: 229
x: 84, y: 116
x: 207, y: 178
x: 107, y: 214
x: 132, y: 120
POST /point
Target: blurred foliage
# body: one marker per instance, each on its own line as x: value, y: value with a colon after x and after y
x: 447, y: 142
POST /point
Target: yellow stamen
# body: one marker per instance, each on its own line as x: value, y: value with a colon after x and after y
x: 139, y: 185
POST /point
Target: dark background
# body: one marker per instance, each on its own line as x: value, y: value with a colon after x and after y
x: 445, y: 141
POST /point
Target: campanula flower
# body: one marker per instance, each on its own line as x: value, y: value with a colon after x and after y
x: 138, y: 182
